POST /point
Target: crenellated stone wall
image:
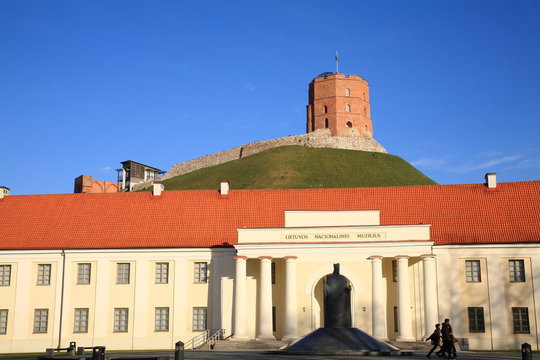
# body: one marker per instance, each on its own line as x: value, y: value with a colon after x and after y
x: 317, y: 139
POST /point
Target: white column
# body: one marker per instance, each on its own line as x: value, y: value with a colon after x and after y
x: 378, y: 303
x: 431, y: 315
x: 404, y: 299
x: 240, y: 305
x: 290, y: 318
x: 123, y: 179
x: 264, y: 330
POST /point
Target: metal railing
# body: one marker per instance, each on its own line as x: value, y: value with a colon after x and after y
x: 210, y: 336
x: 215, y: 337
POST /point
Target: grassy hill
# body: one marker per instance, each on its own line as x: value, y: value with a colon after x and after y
x: 297, y: 167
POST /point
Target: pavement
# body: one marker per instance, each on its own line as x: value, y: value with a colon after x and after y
x: 258, y: 355
x: 199, y: 355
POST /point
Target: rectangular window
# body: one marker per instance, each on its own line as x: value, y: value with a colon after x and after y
x: 41, y: 319
x: 162, y: 319
x: 121, y: 316
x: 199, y: 319
x: 394, y: 270
x: 396, y: 319
x: 517, y: 270
x: 162, y: 273
x: 472, y: 271
x: 81, y: 321
x: 476, y: 319
x: 44, y: 274
x: 520, y: 319
x: 83, y: 273
x: 5, y: 275
x: 201, y: 272
x: 274, y: 318
x: 3, y: 321
x: 122, y: 273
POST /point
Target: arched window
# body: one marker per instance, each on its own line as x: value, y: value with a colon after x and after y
x: 347, y: 108
x: 349, y: 124
x: 325, y: 109
x: 364, y: 96
x: 365, y: 112
x: 326, y: 123
x: 347, y: 92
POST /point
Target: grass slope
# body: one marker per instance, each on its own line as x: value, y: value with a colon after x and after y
x: 298, y: 167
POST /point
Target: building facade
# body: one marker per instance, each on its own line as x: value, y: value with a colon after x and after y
x: 253, y: 262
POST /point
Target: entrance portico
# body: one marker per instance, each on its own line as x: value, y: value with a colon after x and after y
x: 302, y: 255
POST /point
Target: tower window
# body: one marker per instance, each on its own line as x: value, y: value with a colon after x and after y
x: 347, y: 92
x: 365, y: 112
x: 325, y: 109
x: 349, y: 124
x: 347, y: 108
x: 326, y: 123
x: 364, y: 95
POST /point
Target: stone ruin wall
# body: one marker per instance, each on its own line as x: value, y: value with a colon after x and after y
x: 321, y: 138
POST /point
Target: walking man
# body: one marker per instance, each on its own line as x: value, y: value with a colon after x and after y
x: 435, y: 339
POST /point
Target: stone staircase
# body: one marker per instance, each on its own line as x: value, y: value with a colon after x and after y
x: 234, y: 345
x: 417, y: 347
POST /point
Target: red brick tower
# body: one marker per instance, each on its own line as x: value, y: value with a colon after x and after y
x: 340, y: 103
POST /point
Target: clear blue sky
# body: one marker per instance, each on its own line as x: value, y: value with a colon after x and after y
x: 86, y: 84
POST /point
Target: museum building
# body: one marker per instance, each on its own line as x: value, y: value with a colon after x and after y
x: 142, y: 270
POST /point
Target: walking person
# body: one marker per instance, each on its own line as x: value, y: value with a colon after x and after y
x: 452, y: 354
x: 448, y: 349
x: 435, y: 339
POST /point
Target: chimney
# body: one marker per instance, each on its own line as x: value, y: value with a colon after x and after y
x: 83, y: 184
x: 157, y: 188
x: 4, y: 191
x: 224, y: 188
x: 491, y: 180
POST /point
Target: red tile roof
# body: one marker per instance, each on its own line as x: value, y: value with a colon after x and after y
x: 459, y: 214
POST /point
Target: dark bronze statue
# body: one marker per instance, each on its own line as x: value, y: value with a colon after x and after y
x: 337, y: 301
x: 338, y: 335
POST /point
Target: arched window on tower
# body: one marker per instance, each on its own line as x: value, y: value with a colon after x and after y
x: 347, y: 108
x: 365, y: 112
x: 349, y: 124
x: 326, y: 123
x: 325, y: 109
x: 347, y: 92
